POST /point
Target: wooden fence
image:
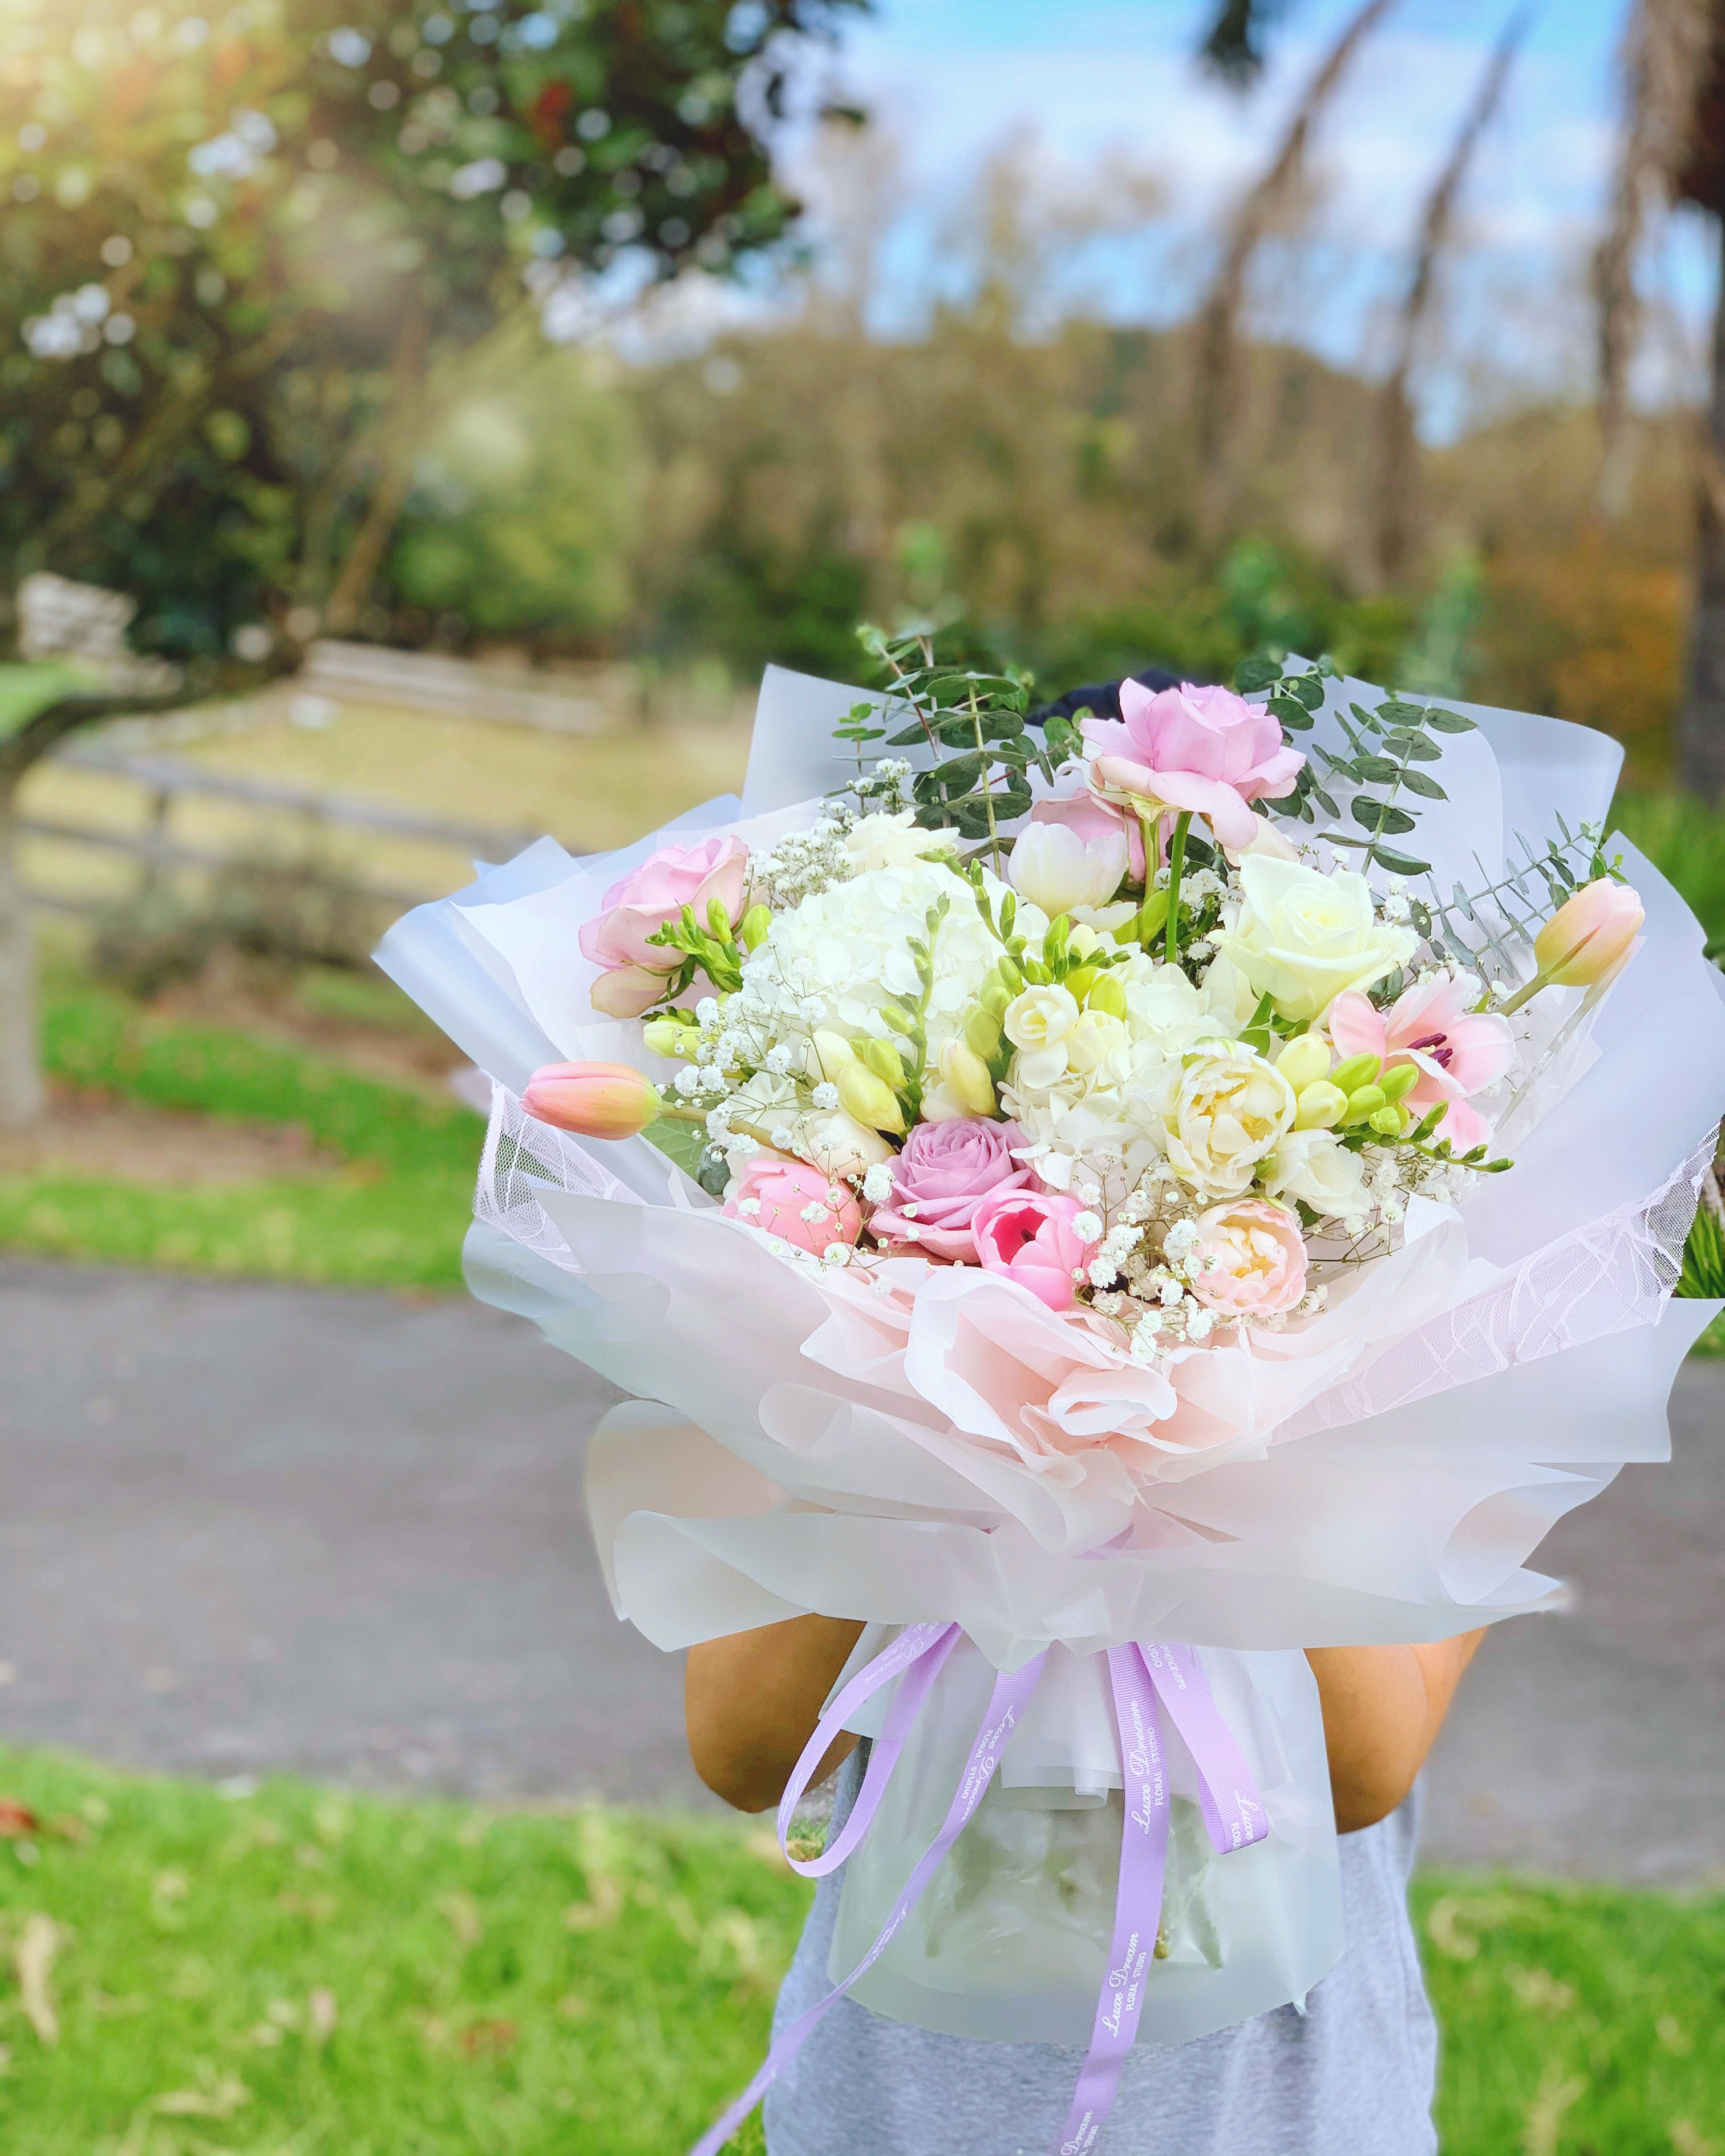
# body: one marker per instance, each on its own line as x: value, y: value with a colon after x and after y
x: 166, y: 780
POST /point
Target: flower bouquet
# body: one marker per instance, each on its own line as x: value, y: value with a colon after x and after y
x: 1102, y: 1210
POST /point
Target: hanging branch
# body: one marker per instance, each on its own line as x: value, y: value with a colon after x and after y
x: 1218, y: 352
x: 1398, y: 460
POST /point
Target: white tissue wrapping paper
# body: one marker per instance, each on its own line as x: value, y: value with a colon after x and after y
x: 1383, y: 1471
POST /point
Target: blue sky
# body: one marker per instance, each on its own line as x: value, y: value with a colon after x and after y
x: 1070, y: 83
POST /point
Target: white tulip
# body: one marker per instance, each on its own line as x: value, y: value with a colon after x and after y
x: 1054, y: 869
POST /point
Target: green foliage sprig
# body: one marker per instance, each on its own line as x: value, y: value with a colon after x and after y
x: 1388, y: 747
x: 1518, y: 901
x: 974, y: 723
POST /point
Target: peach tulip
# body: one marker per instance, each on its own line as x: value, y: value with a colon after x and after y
x: 594, y: 1099
x: 1589, y: 935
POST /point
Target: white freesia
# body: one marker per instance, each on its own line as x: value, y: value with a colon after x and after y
x: 1231, y: 1111
x: 1315, y: 1165
x: 894, y: 842
x: 1056, y: 869
x: 1302, y: 938
x: 1037, y: 1022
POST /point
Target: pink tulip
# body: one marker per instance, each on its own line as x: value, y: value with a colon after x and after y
x: 1589, y: 937
x: 1205, y: 750
x: 594, y: 1099
x: 1250, y: 1259
x: 1028, y: 1235
x: 1456, y: 1051
x: 638, y: 907
x: 795, y: 1201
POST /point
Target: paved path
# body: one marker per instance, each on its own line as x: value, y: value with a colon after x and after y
x: 244, y: 1527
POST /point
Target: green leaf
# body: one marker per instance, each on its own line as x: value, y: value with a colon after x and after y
x: 1376, y: 770
x: 1378, y: 816
x: 1447, y: 722
x: 1423, y: 784
x: 1407, y: 743
x: 1369, y: 720
x: 909, y: 738
x: 1309, y: 688
x: 1252, y: 673
x: 959, y: 774
x: 1404, y: 865
x: 1293, y: 714
x: 1324, y: 801
x: 1396, y: 711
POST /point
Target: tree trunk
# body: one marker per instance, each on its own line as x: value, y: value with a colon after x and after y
x: 1702, y: 728
x: 22, y: 1096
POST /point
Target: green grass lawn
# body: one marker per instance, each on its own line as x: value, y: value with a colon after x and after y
x: 394, y: 1215
x: 298, y: 1972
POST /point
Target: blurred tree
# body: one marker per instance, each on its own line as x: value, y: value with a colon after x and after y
x: 247, y: 264
x: 521, y: 514
x: 249, y: 258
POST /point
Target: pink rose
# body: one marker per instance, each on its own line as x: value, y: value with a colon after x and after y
x: 1029, y: 1236
x: 1456, y: 1051
x: 941, y: 1177
x: 636, y: 970
x: 1205, y: 750
x: 1250, y: 1259
x: 795, y: 1201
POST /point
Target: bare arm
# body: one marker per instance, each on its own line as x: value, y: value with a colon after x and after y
x: 1384, y: 1707
x: 751, y: 1702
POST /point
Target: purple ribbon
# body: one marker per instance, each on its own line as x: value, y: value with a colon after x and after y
x: 1010, y: 1697
x: 1145, y: 1682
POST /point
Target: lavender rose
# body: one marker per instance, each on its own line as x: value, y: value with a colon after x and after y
x: 943, y: 1175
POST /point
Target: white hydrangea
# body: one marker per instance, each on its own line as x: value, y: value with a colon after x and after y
x: 833, y: 961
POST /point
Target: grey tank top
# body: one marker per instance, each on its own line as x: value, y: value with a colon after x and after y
x: 1353, y: 2075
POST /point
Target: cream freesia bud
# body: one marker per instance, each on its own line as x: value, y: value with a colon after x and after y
x: 1107, y: 996
x: 753, y: 926
x: 967, y: 1077
x: 869, y: 1098
x: 1357, y: 1071
x: 663, y: 1036
x: 1362, y: 1103
x: 1304, y: 1061
x: 833, y: 1052
x: 884, y: 1059
x: 1321, y: 1106
x: 1589, y: 935
x: 594, y: 1099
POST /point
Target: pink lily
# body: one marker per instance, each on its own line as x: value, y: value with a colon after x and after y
x: 1456, y: 1051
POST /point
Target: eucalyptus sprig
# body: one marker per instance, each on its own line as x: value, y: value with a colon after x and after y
x: 1516, y: 902
x: 974, y: 723
x: 1388, y: 748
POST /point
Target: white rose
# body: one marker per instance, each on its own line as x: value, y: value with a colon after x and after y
x: 1302, y: 938
x: 892, y: 842
x: 1056, y: 869
x: 1232, y: 1110
x: 1093, y: 1038
x: 1315, y: 1165
x: 1037, y: 1022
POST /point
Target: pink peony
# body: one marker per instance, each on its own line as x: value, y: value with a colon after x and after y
x: 944, y: 1174
x: 1205, y: 750
x: 1250, y: 1259
x: 1456, y: 1051
x: 795, y: 1201
x: 1029, y: 1236
x: 635, y: 970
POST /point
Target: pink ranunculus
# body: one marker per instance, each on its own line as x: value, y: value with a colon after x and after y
x: 1456, y: 1051
x: 1029, y: 1236
x: 638, y: 905
x: 795, y: 1201
x: 1250, y: 1259
x: 1201, y: 749
x: 946, y: 1172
